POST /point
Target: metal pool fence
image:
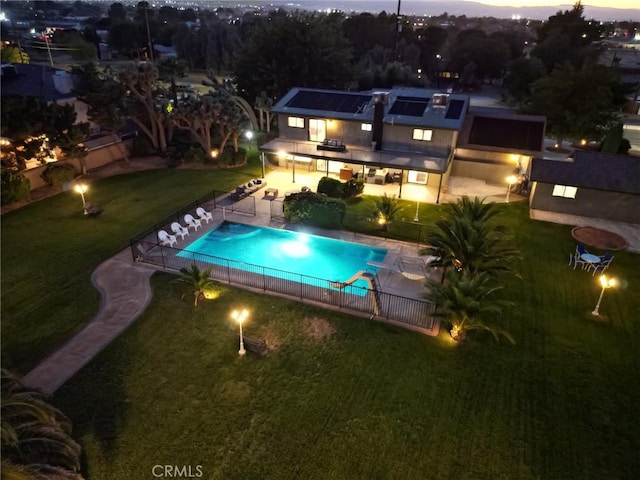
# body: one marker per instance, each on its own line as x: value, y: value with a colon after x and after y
x: 405, y: 311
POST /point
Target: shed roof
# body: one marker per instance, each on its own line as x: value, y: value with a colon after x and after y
x: 34, y: 81
x: 600, y: 171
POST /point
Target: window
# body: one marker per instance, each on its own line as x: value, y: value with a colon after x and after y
x: 295, y: 122
x: 317, y: 130
x: 417, y: 177
x: 423, y: 135
x: 563, y: 191
x: 365, y: 127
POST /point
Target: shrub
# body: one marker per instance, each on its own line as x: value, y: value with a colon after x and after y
x: 142, y: 147
x: 230, y: 157
x: 314, y: 209
x: 15, y: 187
x: 58, y: 174
x: 352, y: 188
x: 331, y: 187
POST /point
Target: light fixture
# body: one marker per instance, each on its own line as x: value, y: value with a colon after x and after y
x: 605, y: 283
x: 81, y: 188
x: 511, y: 179
x: 240, y: 317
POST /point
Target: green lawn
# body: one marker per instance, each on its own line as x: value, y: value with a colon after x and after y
x: 368, y: 402
x: 49, y: 250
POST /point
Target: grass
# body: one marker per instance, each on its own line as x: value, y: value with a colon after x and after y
x: 49, y: 250
x: 369, y: 402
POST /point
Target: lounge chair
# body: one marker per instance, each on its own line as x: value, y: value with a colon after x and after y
x: 166, y: 239
x: 192, y: 222
x: 179, y: 230
x: 203, y: 214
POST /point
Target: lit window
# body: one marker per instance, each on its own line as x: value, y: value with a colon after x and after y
x: 295, y: 122
x: 366, y: 127
x: 564, y: 191
x: 423, y: 135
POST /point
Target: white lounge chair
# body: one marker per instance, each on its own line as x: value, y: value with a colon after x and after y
x: 167, y: 239
x: 192, y: 222
x: 179, y: 230
x: 203, y: 214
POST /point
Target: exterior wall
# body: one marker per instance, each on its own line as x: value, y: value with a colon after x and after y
x: 619, y: 207
x: 400, y: 137
x: 489, y: 172
x: 95, y: 159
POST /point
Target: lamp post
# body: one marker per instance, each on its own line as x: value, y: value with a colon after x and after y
x: 240, y: 317
x: 416, y: 218
x: 81, y: 188
x: 511, y: 179
x: 605, y: 283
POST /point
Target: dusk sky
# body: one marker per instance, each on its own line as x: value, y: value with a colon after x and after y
x: 532, y: 3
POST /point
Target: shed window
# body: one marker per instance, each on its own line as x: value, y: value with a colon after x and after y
x: 295, y: 122
x: 564, y: 191
x: 423, y: 135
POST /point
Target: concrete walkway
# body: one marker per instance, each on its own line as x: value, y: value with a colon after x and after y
x: 126, y: 291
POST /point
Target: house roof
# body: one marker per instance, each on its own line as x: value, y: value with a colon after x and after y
x: 504, y: 130
x: 403, y: 106
x: 32, y: 80
x: 599, y: 171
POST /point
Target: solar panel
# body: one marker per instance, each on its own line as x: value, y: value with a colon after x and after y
x: 328, y: 101
x: 410, y: 106
x: 455, y: 109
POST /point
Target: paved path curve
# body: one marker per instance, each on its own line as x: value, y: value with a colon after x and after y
x: 126, y: 292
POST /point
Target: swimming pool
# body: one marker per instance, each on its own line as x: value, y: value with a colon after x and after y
x: 284, y: 250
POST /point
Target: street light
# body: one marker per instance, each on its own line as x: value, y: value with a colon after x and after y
x: 240, y: 317
x: 511, y: 179
x: 81, y: 188
x: 606, y: 283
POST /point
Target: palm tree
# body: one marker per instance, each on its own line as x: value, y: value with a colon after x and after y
x: 198, y: 279
x: 467, y: 240
x: 463, y: 300
x: 386, y: 210
x: 36, y: 441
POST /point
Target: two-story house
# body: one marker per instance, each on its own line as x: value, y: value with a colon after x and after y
x: 401, y: 135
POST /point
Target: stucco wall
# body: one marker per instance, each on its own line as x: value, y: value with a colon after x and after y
x: 619, y: 207
x: 491, y: 173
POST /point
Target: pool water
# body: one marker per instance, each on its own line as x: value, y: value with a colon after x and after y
x: 285, y: 250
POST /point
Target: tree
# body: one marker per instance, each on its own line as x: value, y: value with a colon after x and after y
x: 577, y: 103
x: 305, y: 50
x: 142, y: 104
x: 521, y: 74
x: 117, y: 11
x: 14, y: 54
x: 198, y: 280
x: 36, y: 437
x: 170, y: 68
x: 468, y: 239
x: 567, y: 37
x: 36, y: 129
x: 386, y: 210
x: 464, y: 301
x: 198, y: 116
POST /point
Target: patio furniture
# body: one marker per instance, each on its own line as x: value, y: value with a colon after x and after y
x: 192, y: 222
x: 271, y: 193
x: 179, y: 230
x: 203, y: 215
x: 575, y: 260
x: 602, y: 265
x: 167, y: 239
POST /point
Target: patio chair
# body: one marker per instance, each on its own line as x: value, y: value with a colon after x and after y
x: 179, y: 230
x: 575, y: 260
x: 166, y: 239
x: 605, y: 261
x: 203, y: 214
x: 192, y: 222
x: 580, y: 249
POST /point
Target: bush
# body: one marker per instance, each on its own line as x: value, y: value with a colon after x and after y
x: 352, y: 188
x: 331, y: 187
x: 142, y: 147
x: 58, y: 174
x: 314, y: 209
x: 230, y: 157
x: 15, y: 187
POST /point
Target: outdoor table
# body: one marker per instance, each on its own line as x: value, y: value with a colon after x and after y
x: 590, y: 257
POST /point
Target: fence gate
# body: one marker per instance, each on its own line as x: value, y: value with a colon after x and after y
x: 277, y: 210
